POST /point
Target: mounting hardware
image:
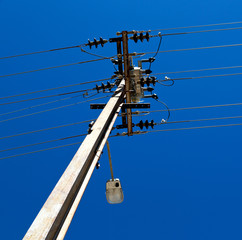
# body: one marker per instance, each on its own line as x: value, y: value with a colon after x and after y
x: 98, y: 165
x: 90, y: 127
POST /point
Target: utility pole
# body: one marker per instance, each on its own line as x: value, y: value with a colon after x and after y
x: 54, y: 218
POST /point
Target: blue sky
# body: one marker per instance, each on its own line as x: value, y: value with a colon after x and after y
x: 177, y: 184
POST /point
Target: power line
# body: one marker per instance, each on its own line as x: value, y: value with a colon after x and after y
x: 208, y: 76
x: 175, y: 129
x: 44, y: 51
x: 201, y: 127
x: 200, y: 107
x: 39, y: 143
x: 54, y: 95
x: 198, y: 26
x: 51, y: 109
x: 191, y: 49
x: 41, y: 150
x: 202, y: 31
x: 145, y: 112
x: 199, y: 70
x: 118, y: 135
x: 50, y: 89
x: 39, y: 105
x: 60, y: 66
x: 200, y: 120
x: 46, y: 129
x: 79, y: 135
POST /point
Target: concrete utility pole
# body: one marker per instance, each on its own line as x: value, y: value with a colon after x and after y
x: 54, y: 218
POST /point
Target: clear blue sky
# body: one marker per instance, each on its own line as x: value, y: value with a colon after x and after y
x: 182, y: 185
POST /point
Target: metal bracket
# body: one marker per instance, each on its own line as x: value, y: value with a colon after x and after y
x: 125, y: 105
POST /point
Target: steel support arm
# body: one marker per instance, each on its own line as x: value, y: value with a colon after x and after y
x: 55, y: 216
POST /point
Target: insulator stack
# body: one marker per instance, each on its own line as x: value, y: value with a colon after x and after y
x: 146, y: 124
x: 103, y: 86
x: 148, y: 81
x: 96, y: 42
x: 140, y: 37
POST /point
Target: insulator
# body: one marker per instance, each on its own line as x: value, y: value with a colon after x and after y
x: 141, y: 124
x: 151, y: 59
x: 95, y: 42
x: 89, y: 44
x: 97, y: 88
x: 141, y: 37
x: 101, y: 41
x: 142, y: 82
x: 150, y: 89
x: 147, y: 36
x: 109, y: 86
x: 153, y: 80
x: 154, y: 96
x: 152, y: 124
x: 148, y: 71
x: 146, y: 124
x: 103, y: 87
x: 148, y: 81
x: 135, y: 37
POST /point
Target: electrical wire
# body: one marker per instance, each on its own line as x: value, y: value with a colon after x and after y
x: 51, y: 109
x: 208, y: 76
x: 200, y: 107
x: 46, y: 129
x: 156, y: 51
x: 167, y: 85
x: 54, y: 67
x: 119, y: 135
x: 175, y: 129
x: 96, y: 55
x: 39, y: 105
x: 197, y: 26
x: 201, y: 127
x: 199, y: 70
x: 145, y: 113
x: 44, y: 51
x: 55, y: 88
x: 41, y: 150
x: 39, y: 143
x: 43, y: 97
x: 202, y: 31
x: 191, y: 49
x: 200, y: 120
x: 168, y: 110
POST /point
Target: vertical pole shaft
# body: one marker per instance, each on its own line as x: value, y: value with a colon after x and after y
x: 52, y: 217
x: 127, y: 79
